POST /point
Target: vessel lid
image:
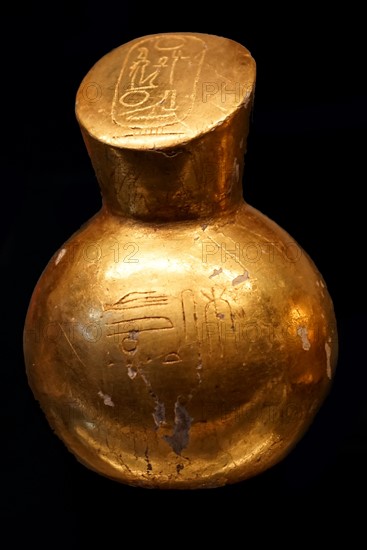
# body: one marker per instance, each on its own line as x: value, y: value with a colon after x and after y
x: 163, y: 90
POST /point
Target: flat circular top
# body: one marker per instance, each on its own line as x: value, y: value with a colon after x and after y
x: 163, y: 90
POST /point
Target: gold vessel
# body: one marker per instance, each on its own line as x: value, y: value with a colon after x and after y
x: 179, y: 339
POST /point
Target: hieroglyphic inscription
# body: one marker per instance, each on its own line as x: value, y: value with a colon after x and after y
x: 216, y: 310
x: 157, y: 85
x: 143, y: 312
x: 130, y: 324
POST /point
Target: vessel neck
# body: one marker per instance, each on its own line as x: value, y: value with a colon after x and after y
x: 201, y: 179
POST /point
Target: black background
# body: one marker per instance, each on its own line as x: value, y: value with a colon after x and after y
x: 304, y: 169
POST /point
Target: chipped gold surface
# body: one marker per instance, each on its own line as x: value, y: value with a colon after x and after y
x: 179, y: 339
